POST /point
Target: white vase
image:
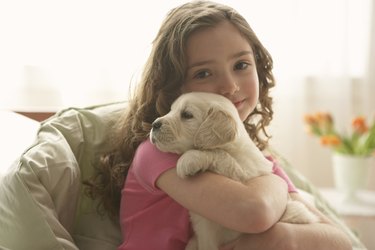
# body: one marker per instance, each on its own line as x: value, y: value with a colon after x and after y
x: 350, y: 174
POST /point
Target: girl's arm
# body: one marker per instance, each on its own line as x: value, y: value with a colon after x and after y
x: 251, y: 208
x: 323, y: 236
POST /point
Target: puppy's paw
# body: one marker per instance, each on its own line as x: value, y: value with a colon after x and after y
x: 296, y: 212
x: 189, y: 164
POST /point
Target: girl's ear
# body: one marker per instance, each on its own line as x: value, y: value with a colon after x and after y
x: 217, y: 129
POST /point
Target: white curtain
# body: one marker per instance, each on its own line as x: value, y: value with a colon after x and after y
x: 328, y: 66
x: 55, y: 54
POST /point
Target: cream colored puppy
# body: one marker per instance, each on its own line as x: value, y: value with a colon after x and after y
x: 207, y: 131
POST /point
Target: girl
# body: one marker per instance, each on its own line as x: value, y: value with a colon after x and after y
x: 201, y: 46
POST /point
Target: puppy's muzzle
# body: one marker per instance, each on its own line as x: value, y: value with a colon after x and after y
x: 156, y: 127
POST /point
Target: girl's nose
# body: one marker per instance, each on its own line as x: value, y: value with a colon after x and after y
x: 228, y: 85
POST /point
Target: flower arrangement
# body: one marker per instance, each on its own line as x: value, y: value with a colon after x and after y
x: 359, y: 142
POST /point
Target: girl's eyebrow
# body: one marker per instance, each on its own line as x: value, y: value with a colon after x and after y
x: 236, y: 55
x: 242, y: 53
x: 199, y: 64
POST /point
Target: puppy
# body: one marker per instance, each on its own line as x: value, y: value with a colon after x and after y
x: 207, y: 131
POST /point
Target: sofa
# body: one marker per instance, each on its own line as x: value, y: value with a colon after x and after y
x: 42, y: 201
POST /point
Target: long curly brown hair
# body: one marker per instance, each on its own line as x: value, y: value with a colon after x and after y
x: 160, y: 85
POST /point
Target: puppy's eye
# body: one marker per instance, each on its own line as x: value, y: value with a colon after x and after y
x: 186, y: 115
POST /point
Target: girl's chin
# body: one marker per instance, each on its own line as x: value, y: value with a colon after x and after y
x: 244, y: 110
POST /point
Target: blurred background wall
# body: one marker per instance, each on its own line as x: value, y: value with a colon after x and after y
x: 55, y: 54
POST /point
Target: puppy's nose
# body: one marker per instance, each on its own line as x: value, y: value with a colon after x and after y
x: 156, y: 125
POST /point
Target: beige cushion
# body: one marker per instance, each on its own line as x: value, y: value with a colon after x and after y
x: 41, y: 201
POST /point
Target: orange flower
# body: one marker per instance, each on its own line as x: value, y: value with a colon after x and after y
x: 310, y: 119
x: 359, y: 125
x: 324, y: 119
x: 360, y: 142
x: 328, y: 118
x: 330, y: 140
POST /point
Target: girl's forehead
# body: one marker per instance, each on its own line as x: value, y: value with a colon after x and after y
x: 221, y: 39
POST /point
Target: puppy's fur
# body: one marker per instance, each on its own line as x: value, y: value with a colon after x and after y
x: 207, y: 130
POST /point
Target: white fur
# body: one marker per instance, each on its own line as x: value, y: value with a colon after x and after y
x: 207, y: 130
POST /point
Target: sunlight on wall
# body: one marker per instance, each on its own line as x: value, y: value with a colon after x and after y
x: 88, y: 52
x: 75, y: 49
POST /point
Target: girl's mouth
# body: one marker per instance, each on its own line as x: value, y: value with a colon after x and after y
x: 238, y: 103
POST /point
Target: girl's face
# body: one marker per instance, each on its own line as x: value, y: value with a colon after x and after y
x: 220, y: 60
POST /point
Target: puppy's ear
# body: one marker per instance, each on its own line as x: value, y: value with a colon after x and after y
x: 217, y: 129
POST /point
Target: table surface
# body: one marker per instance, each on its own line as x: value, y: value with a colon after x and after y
x: 362, y: 205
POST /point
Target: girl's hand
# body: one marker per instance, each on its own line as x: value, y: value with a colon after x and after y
x: 323, y: 235
x: 265, y: 240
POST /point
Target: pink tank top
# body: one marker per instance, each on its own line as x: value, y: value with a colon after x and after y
x: 149, y: 218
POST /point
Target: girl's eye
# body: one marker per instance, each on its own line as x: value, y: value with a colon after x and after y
x: 186, y: 115
x: 202, y: 74
x: 241, y: 65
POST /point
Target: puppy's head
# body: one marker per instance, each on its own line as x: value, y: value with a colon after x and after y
x: 196, y: 121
